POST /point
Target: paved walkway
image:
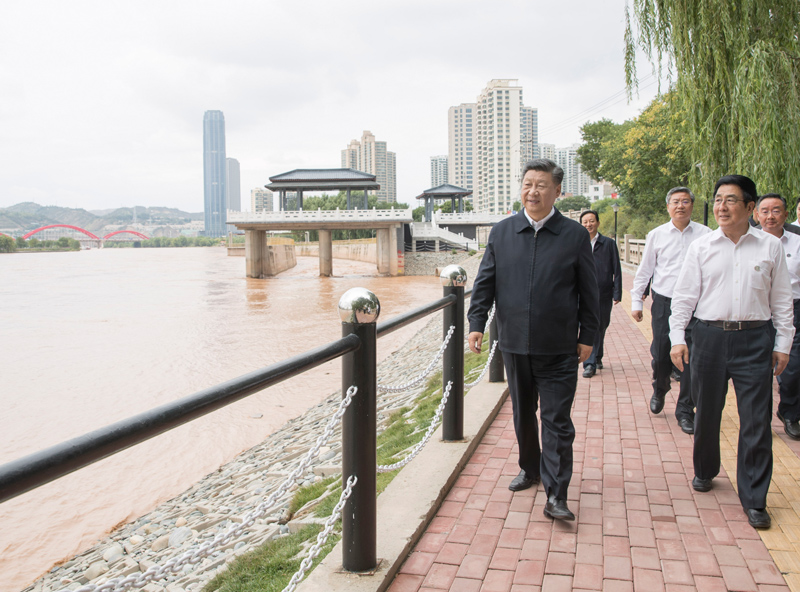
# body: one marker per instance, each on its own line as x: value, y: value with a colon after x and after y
x: 640, y: 525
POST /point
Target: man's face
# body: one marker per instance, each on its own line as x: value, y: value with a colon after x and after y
x: 539, y: 193
x: 772, y: 214
x: 730, y: 210
x: 680, y: 207
x: 590, y: 223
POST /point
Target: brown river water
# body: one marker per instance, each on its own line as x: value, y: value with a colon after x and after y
x: 93, y: 337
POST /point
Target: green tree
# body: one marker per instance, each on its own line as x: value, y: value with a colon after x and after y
x: 7, y: 244
x: 21, y: 243
x: 63, y: 242
x: 736, y: 67
x: 33, y: 243
x: 575, y: 202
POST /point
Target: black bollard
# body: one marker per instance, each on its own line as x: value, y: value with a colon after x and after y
x: 359, y: 309
x: 496, y: 369
x: 454, y: 278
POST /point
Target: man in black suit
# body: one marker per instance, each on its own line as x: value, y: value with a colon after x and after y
x: 538, y: 269
x: 609, y: 285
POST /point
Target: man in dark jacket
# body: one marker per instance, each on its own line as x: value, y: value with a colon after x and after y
x: 538, y: 269
x: 609, y: 285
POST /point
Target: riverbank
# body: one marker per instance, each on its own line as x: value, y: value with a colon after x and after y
x: 224, y: 496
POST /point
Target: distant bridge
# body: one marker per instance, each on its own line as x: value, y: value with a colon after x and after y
x: 90, y: 235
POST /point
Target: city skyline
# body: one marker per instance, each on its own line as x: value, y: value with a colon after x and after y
x: 215, y: 174
x: 110, y: 119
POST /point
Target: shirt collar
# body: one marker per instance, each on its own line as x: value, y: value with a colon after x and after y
x: 751, y: 230
x: 676, y: 229
x: 538, y: 225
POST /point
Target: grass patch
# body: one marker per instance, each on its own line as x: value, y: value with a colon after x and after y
x: 270, y: 567
x: 310, y: 492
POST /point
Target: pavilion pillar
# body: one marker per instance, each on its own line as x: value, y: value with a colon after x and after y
x: 348, y: 198
x: 366, y: 199
x: 255, y: 244
x: 299, y: 199
x: 393, y: 253
x: 460, y: 205
x: 383, y: 250
x: 282, y: 201
x: 453, y: 205
x: 325, y: 253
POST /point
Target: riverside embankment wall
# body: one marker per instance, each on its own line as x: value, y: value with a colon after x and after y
x: 281, y: 257
x: 356, y: 250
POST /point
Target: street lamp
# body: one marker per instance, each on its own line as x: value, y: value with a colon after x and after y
x: 615, y: 207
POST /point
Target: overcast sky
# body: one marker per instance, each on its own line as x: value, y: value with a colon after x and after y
x: 101, y: 103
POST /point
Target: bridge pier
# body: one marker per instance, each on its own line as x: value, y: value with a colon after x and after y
x: 382, y: 249
x: 255, y: 245
x: 393, y: 253
x: 325, y: 253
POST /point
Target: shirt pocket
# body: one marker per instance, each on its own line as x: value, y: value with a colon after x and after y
x: 759, y: 274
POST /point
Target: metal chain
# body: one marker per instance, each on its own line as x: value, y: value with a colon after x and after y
x: 485, y: 368
x: 404, y: 387
x: 322, y: 537
x: 421, y: 444
x: 196, y: 555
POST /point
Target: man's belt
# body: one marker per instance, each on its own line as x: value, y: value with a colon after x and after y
x: 735, y: 325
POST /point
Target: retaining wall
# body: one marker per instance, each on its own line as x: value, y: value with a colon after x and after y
x: 428, y: 263
x: 353, y: 250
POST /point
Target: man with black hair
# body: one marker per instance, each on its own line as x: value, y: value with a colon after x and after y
x: 539, y: 272
x: 736, y: 282
x: 609, y: 285
x: 772, y: 214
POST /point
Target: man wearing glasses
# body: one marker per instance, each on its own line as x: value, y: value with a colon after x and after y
x: 662, y: 260
x: 736, y: 282
x: 772, y: 214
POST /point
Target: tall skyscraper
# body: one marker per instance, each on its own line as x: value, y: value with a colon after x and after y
x: 370, y: 156
x: 576, y: 182
x: 214, y: 173
x: 438, y: 170
x: 489, y: 142
x: 233, y: 186
x: 461, y: 144
x: 261, y: 200
x: 547, y: 151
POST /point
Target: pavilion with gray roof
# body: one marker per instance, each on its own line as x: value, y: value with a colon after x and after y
x: 445, y: 191
x: 300, y: 180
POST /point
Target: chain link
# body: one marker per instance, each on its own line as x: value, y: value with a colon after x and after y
x: 421, y: 444
x: 322, y: 537
x: 404, y: 387
x: 196, y: 555
x: 485, y: 368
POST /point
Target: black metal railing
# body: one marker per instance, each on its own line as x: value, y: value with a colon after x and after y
x: 357, y: 347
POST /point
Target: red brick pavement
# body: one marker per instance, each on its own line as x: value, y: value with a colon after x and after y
x: 640, y: 526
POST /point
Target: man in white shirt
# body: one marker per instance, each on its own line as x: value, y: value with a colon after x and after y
x: 735, y: 281
x: 664, y: 252
x: 772, y: 214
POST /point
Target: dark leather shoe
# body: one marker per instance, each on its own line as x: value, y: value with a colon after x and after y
x: 687, y: 425
x: 599, y: 365
x: 701, y: 485
x: 792, y: 428
x: 557, y: 509
x: 589, y: 371
x: 656, y: 403
x: 676, y: 376
x: 758, y: 518
x: 523, y: 481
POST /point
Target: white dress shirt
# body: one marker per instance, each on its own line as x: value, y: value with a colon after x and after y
x: 745, y: 281
x: 791, y: 246
x: 664, y: 252
x: 796, y: 222
x: 537, y: 226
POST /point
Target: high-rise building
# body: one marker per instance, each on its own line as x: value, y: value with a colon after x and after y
x: 214, y: 174
x: 547, y: 151
x: 438, y: 170
x: 371, y: 156
x: 489, y: 142
x: 462, y: 149
x: 261, y: 200
x: 575, y: 182
x: 233, y: 186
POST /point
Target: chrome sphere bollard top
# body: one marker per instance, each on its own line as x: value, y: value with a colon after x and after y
x: 359, y: 305
x: 453, y: 276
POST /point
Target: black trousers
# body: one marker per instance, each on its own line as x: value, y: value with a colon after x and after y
x: 789, y: 380
x: 606, y: 304
x: 548, y: 381
x: 746, y: 357
x: 662, y: 363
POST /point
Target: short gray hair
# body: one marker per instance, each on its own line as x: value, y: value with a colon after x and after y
x: 546, y: 166
x: 675, y: 190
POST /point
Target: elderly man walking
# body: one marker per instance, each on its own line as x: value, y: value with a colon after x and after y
x: 664, y: 252
x: 539, y: 271
x: 736, y: 282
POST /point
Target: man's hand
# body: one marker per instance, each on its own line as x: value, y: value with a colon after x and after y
x: 680, y: 356
x: 617, y: 302
x: 637, y: 315
x: 584, y: 351
x: 475, y: 340
x: 779, y: 362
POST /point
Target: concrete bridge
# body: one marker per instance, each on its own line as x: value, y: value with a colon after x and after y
x: 388, y: 225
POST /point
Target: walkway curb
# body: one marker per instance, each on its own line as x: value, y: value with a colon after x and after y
x: 411, y: 500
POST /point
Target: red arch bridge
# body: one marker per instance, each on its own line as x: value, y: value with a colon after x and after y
x: 91, y: 237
